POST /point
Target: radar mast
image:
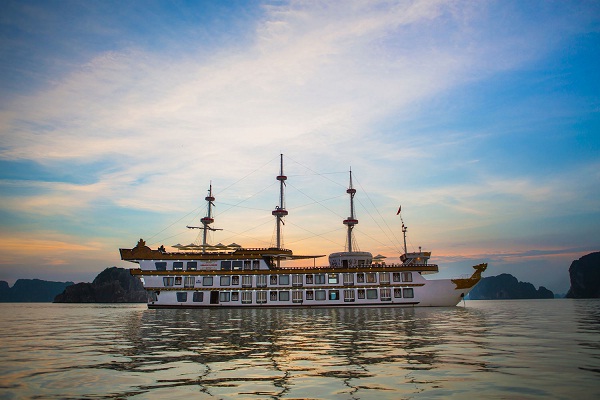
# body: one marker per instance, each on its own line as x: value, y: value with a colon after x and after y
x: 351, y: 220
x: 280, y: 210
x: 206, y: 221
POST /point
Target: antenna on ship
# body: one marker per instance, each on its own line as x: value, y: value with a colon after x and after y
x: 280, y: 210
x: 351, y: 220
x: 404, y: 228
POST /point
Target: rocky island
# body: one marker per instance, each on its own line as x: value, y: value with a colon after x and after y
x: 506, y: 287
x: 31, y: 290
x: 585, y: 277
x: 113, y: 285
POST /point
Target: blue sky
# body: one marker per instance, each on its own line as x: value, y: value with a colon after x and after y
x: 481, y: 118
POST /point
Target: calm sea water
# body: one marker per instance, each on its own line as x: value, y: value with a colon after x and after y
x: 488, y: 349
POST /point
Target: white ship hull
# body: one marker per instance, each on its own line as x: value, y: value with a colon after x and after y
x: 378, y: 286
x: 437, y: 294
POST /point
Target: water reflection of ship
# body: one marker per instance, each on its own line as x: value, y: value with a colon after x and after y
x: 263, y: 352
x: 218, y: 276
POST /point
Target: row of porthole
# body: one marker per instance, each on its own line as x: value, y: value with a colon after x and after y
x: 284, y: 280
x: 385, y: 294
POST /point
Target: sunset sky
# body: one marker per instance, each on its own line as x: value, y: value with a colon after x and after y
x: 482, y: 119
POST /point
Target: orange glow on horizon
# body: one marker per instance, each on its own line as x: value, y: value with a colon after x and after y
x: 52, y: 251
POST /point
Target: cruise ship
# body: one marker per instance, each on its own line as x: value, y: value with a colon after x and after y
x: 213, y: 276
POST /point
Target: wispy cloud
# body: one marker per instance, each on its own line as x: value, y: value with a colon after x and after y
x: 326, y: 69
x: 512, y: 256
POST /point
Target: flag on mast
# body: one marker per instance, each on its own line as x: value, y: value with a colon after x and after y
x: 399, y: 209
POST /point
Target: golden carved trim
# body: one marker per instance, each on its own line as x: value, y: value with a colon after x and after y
x: 467, y: 283
x: 286, y: 271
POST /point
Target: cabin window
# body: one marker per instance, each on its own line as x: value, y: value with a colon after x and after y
x: 225, y: 280
x: 348, y: 279
x: 188, y: 282
x: 207, y: 281
x: 178, y: 280
x: 237, y: 265
x: 320, y: 295
x: 371, y: 294
x: 224, y: 296
x: 385, y: 294
x: 360, y: 278
x: 407, y: 277
x: 198, y: 297
x: 309, y: 295
x: 297, y: 296
x: 273, y: 295
x: 168, y: 281
x: 160, y: 266
x: 261, y: 296
x: 332, y: 278
x: 261, y: 280
x: 273, y: 280
x: 247, y: 281
x: 398, y: 293
x: 371, y: 277
x: 235, y: 296
x: 334, y: 295
x: 284, y: 295
x: 297, y: 280
x: 361, y: 293
x: 384, y: 277
x: 226, y: 265
x: 192, y: 265
x: 181, y: 297
x: 235, y: 280
x: 309, y: 279
x: 396, y: 276
x: 408, y: 292
x: 247, y: 265
x: 319, y: 279
x: 284, y: 279
x: 255, y: 264
x: 349, y: 295
x: 247, y: 297
x: 178, y: 265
